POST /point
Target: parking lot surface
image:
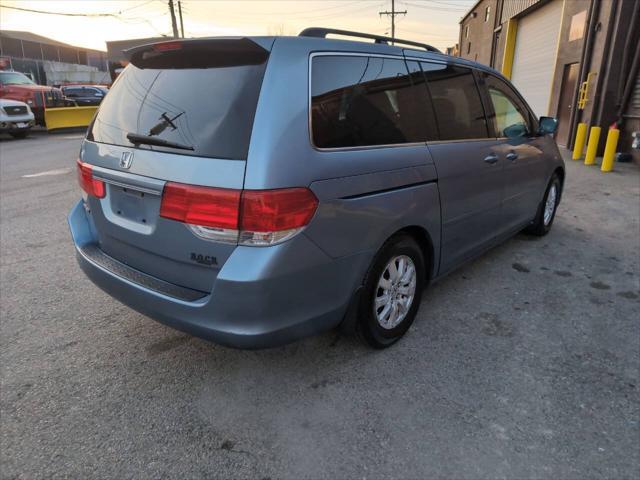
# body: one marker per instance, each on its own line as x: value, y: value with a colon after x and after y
x: 524, y: 363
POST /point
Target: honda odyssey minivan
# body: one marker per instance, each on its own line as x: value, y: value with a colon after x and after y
x: 256, y: 190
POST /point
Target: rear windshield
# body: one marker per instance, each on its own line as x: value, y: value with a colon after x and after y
x: 207, y: 110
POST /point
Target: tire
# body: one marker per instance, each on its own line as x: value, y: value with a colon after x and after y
x: 407, y: 291
x: 21, y: 134
x: 543, y: 221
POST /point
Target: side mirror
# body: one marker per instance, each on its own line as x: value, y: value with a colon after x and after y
x: 547, y: 125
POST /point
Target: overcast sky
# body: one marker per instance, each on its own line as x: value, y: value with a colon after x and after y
x: 430, y: 21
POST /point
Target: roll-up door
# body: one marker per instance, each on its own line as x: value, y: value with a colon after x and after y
x: 534, y: 58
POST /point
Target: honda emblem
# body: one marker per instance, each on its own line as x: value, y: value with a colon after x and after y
x: 126, y: 159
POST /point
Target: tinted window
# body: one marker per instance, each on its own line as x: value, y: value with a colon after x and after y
x: 457, y: 102
x: 360, y: 101
x: 73, y: 92
x: 209, y: 109
x: 510, y: 116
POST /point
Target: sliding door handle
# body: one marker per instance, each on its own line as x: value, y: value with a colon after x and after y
x: 493, y: 158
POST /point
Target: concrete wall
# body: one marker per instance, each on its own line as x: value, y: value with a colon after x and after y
x: 58, y: 73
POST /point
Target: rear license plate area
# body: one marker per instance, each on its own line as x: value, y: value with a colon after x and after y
x: 133, y: 205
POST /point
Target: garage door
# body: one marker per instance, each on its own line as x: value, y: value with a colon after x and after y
x: 534, y: 59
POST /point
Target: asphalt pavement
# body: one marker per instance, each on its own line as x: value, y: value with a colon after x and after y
x: 523, y: 364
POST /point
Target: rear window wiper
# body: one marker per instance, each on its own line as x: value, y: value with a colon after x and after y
x: 137, y: 139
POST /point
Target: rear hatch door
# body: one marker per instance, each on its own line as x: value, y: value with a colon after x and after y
x: 180, y: 112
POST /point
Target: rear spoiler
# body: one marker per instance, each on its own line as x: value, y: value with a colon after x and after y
x: 200, y: 53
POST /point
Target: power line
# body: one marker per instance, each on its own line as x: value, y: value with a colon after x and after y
x: 393, y: 14
x: 438, y: 8
x: 68, y: 14
x: 443, y: 3
x: 136, y: 6
x: 118, y: 16
x: 30, y: 10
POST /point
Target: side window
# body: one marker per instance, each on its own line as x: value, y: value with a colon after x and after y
x: 73, y: 92
x: 510, y: 116
x: 366, y: 101
x: 457, y: 103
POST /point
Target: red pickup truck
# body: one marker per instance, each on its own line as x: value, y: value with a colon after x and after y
x: 17, y: 86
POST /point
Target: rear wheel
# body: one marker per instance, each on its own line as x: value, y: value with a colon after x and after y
x: 547, y: 209
x: 392, y: 292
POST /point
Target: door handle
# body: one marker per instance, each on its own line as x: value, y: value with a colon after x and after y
x: 512, y: 156
x: 493, y: 158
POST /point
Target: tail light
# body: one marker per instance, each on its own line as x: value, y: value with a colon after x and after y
x: 248, y: 217
x: 89, y: 184
x: 210, y: 212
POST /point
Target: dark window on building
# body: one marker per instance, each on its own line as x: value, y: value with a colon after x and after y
x: 68, y: 55
x: 82, y: 57
x: 50, y: 52
x: 457, y: 102
x: 11, y: 47
x: 468, y: 48
x: 32, y: 50
x: 364, y: 101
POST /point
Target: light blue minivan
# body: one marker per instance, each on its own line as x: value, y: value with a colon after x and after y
x: 256, y: 190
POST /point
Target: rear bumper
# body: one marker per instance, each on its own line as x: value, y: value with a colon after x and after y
x: 262, y: 297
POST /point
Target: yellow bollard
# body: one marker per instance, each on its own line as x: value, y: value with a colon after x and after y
x: 581, y: 136
x: 610, y: 150
x: 592, y: 147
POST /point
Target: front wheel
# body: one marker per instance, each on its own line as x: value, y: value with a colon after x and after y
x: 392, y: 292
x: 547, y: 209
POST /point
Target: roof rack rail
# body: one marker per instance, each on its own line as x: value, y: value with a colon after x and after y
x: 320, y: 32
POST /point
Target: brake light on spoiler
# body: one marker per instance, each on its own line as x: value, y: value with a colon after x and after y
x: 167, y: 46
x: 247, y: 217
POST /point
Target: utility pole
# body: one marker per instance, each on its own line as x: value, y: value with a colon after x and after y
x: 393, y: 14
x: 174, y: 25
x: 181, y: 22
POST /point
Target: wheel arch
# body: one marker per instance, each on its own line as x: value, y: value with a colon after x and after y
x: 561, y: 175
x: 424, y: 241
